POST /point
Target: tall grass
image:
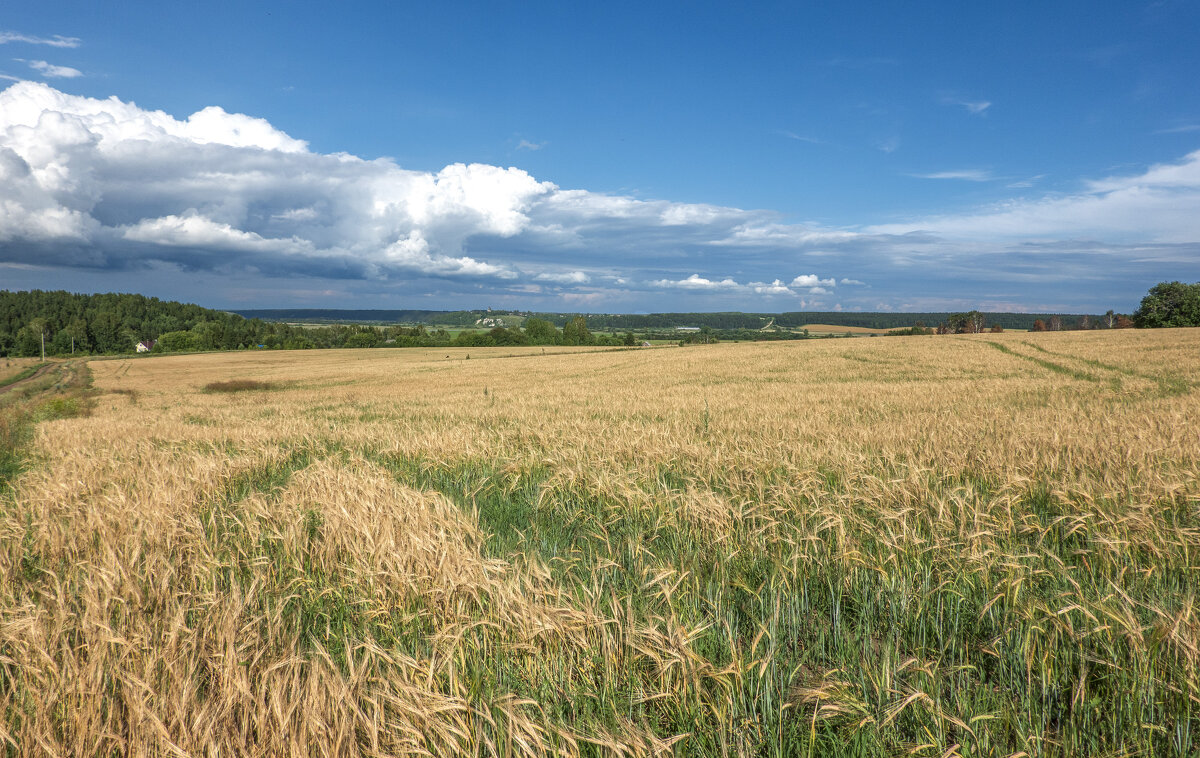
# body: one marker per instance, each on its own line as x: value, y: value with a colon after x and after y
x: 926, y: 547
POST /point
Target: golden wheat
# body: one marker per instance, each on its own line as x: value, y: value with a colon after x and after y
x: 633, y: 552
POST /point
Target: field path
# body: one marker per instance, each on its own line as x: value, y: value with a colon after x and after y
x: 40, y: 372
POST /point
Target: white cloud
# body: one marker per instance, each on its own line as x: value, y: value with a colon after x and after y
x: 1182, y: 129
x: 799, y: 137
x: 56, y: 41
x: 970, y: 175
x: 852, y: 282
x: 774, y: 288
x: 194, y: 230
x: 228, y: 182
x: 697, y: 282
x: 50, y: 71
x: 1026, y: 183
x: 93, y: 187
x: 568, y: 277
x: 527, y: 145
x: 974, y: 107
x: 812, y: 280
x: 1158, y: 205
x: 413, y: 253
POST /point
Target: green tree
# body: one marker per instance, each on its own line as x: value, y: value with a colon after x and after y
x: 542, y: 332
x: 974, y: 322
x: 1169, y: 304
x: 575, y: 332
x: 179, y: 342
x: 361, y: 339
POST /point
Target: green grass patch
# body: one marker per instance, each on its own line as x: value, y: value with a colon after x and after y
x: 239, y: 385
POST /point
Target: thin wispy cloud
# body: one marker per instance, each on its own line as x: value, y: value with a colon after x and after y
x: 967, y: 175
x: 51, y: 71
x: 974, y: 107
x: 527, y: 145
x: 798, y: 137
x: 56, y: 41
x: 1026, y: 183
x: 1182, y: 129
x: 889, y: 145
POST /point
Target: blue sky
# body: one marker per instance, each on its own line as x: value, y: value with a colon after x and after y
x: 620, y: 157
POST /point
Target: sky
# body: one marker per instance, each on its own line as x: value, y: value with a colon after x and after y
x: 610, y: 157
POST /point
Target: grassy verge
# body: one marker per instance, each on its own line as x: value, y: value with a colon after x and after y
x: 21, y: 375
x: 62, y: 393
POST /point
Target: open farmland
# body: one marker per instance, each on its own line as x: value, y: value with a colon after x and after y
x: 984, y: 545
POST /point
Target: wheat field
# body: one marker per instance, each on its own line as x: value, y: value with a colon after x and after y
x: 934, y: 546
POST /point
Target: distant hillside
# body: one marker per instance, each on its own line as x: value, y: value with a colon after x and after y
x: 622, y: 322
x: 116, y: 323
x: 330, y: 315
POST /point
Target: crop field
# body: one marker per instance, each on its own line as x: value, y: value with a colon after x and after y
x: 982, y: 545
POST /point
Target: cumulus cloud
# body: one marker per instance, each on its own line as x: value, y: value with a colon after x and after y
x: 104, y: 173
x: 812, y: 280
x: 56, y: 41
x: 50, y: 71
x: 697, y: 282
x: 95, y: 188
x: 774, y: 288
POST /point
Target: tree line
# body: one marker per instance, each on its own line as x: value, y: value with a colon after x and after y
x: 66, y: 323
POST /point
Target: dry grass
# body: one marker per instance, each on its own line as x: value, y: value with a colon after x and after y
x: 964, y: 545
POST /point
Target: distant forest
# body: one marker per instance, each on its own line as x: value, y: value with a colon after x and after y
x: 66, y: 323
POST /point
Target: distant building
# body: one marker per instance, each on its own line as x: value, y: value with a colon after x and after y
x: 687, y: 328
x: 145, y: 346
x: 645, y: 343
